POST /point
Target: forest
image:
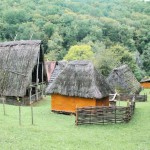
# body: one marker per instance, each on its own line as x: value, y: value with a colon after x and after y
x: 108, y: 32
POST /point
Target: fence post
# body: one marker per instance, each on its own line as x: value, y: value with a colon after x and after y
x: 115, y: 114
x: 76, y: 116
x: 32, y: 115
x: 19, y: 110
x: 19, y: 115
x: 103, y: 115
x: 3, y: 100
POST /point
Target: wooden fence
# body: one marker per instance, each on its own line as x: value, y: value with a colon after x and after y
x: 104, y: 114
x: 138, y: 98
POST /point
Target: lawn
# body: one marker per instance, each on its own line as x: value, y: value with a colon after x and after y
x: 58, y: 132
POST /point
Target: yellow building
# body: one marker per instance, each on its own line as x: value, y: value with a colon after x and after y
x: 78, y: 85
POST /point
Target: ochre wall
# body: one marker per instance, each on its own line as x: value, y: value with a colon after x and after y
x: 145, y: 84
x: 103, y: 102
x: 69, y: 104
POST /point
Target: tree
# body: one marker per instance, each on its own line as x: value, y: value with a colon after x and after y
x: 15, y: 16
x: 146, y: 60
x: 79, y: 52
x: 51, y: 56
x: 107, y: 59
x: 55, y: 44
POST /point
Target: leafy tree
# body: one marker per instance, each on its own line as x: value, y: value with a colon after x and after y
x: 107, y: 59
x: 79, y: 52
x: 15, y: 16
x: 146, y: 60
x: 48, y: 29
x: 51, y: 56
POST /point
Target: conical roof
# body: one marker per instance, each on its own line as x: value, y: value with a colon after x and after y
x: 123, y: 80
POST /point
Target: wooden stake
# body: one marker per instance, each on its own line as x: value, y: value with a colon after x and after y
x: 30, y: 94
x: 3, y: 99
x: 19, y: 115
x: 76, y: 116
x: 42, y: 79
x: 37, y: 75
x: 32, y: 115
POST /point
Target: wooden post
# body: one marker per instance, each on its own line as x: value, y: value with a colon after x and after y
x: 76, y: 116
x: 37, y: 75
x: 103, y: 114
x: 3, y: 99
x: 42, y: 79
x: 115, y: 114
x: 19, y: 114
x: 32, y: 114
x: 30, y: 95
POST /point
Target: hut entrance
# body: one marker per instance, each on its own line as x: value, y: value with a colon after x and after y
x: 36, y: 90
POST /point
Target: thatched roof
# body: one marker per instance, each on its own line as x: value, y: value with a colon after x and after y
x: 60, y: 65
x: 80, y: 79
x: 17, y: 61
x: 123, y: 80
x: 145, y: 80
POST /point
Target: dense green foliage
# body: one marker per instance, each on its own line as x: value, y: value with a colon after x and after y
x: 79, y: 52
x: 58, y: 132
x: 65, y: 23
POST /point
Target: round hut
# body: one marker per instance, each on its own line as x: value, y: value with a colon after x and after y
x: 78, y: 85
x: 123, y: 80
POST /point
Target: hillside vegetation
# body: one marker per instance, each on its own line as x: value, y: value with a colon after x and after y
x: 105, y: 25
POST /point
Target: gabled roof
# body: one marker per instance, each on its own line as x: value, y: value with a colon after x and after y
x: 17, y: 61
x: 123, y: 80
x: 80, y: 79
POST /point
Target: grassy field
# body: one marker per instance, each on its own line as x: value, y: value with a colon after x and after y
x: 58, y: 132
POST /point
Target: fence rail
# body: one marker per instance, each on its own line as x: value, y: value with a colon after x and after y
x: 138, y: 98
x: 104, y: 115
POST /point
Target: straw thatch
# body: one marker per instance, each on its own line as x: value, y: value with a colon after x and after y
x: 124, y: 81
x: 18, y: 61
x: 80, y: 79
x: 145, y: 80
x: 60, y: 65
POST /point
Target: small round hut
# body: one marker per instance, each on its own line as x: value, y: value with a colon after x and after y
x: 123, y: 80
x: 78, y: 85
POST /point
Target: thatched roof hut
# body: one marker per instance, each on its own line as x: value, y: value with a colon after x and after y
x: 123, y: 80
x: 79, y: 80
x: 21, y: 65
x: 145, y: 82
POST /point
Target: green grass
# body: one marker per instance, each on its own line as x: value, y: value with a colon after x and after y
x: 58, y: 132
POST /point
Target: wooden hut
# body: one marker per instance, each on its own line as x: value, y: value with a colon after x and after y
x: 78, y: 85
x: 145, y: 83
x: 123, y: 80
x: 22, y: 71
